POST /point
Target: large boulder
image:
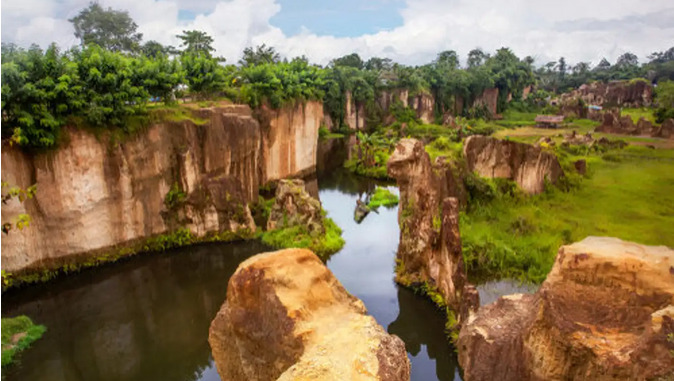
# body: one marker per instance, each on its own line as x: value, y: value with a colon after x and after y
x: 528, y: 165
x: 604, y: 313
x: 288, y: 318
x: 294, y: 206
x: 429, y: 251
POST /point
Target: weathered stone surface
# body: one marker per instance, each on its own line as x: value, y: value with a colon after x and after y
x: 97, y: 195
x: 666, y: 130
x: 581, y: 166
x: 620, y: 94
x: 294, y: 206
x: 430, y: 245
x: 354, y: 113
x: 488, y: 99
x: 603, y: 313
x: 290, y: 140
x: 424, y: 105
x: 527, y: 165
x: 288, y: 318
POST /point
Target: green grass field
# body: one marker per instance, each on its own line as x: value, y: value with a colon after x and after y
x: 630, y: 197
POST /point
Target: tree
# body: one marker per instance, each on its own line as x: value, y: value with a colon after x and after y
x: 662, y: 57
x: 476, y: 57
x: 603, y: 65
x: 204, y: 75
x: 379, y: 64
x: 664, y: 96
x: 627, y: 59
x: 196, y: 42
x: 448, y: 58
x: 159, y: 76
x: 561, y: 67
x: 262, y: 54
x: 351, y: 60
x: 154, y: 49
x: 111, y: 29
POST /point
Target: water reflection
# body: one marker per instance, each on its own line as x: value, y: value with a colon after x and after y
x: 146, y: 319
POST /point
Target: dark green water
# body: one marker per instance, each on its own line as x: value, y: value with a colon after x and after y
x: 148, y: 318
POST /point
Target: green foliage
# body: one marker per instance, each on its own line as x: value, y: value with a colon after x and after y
x: 382, y: 197
x: 110, y: 88
x: 261, y: 55
x: 519, y: 236
x: 9, y: 192
x: 203, y: 74
x: 159, y: 76
x: 664, y: 95
x: 443, y: 146
x: 18, y: 333
x: 112, y: 29
x: 299, y: 236
x: 39, y: 91
x: 196, y: 43
x: 174, y: 197
x: 281, y: 83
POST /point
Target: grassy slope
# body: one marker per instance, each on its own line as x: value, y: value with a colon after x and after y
x: 18, y: 333
x: 632, y: 199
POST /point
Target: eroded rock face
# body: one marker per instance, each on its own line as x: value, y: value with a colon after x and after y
x: 94, y: 195
x: 527, y: 165
x: 288, y: 318
x: 430, y: 245
x: 294, y: 206
x: 424, y: 104
x: 603, y: 313
x: 620, y: 94
x: 666, y: 130
x: 488, y: 99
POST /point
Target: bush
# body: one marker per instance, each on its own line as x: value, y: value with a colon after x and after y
x: 17, y: 326
x: 298, y: 236
x: 382, y: 197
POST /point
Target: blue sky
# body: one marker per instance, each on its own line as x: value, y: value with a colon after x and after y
x: 407, y: 31
x: 345, y: 18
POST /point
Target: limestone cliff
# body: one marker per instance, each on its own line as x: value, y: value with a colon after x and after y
x: 604, y: 313
x: 288, y: 318
x: 429, y: 253
x: 354, y: 113
x: 637, y: 93
x: 528, y: 165
x: 95, y: 194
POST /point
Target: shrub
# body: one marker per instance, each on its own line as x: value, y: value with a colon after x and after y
x: 20, y: 325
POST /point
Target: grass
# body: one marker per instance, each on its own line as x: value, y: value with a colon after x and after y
x: 512, y: 118
x: 630, y: 197
x: 326, y: 134
x: 442, y: 146
x: 299, y: 236
x: 382, y: 197
x: 18, y: 333
x: 376, y: 172
x: 637, y: 113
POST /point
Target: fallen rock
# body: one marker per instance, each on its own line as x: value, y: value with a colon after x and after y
x: 644, y: 127
x: 288, y: 318
x: 429, y: 251
x: 604, y: 313
x: 527, y: 165
x: 581, y: 166
x: 294, y: 206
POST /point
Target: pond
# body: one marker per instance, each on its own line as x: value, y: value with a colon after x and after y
x: 147, y: 318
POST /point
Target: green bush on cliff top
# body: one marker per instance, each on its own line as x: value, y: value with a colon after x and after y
x: 18, y: 333
x: 299, y: 236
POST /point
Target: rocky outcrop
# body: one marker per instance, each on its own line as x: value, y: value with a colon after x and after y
x: 354, y: 115
x: 290, y: 139
x: 424, y: 105
x: 95, y: 195
x: 636, y: 93
x: 489, y: 100
x: 666, y: 130
x: 528, y: 165
x: 604, y: 313
x: 294, y: 206
x: 429, y: 252
x: 288, y: 318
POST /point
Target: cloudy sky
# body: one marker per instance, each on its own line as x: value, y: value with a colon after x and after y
x: 408, y: 31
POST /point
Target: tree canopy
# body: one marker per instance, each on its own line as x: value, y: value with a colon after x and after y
x: 111, y: 29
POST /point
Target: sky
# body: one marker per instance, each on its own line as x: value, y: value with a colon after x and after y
x: 408, y: 31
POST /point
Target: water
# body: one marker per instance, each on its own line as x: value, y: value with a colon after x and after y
x: 148, y: 318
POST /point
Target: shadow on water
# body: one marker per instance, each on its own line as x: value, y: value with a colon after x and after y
x: 144, y: 319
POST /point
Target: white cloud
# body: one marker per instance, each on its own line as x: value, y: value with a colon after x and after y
x: 576, y: 29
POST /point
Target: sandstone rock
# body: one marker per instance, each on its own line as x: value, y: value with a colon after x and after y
x: 528, y: 165
x: 424, y: 104
x: 581, y: 166
x: 621, y: 94
x: 666, y: 130
x: 294, y: 206
x: 488, y: 99
x: 288, y: 318
x: 644, y: 127
x: 95, y: 195
x: 430, y: 245
x: 354, y: 113
x: 603, y: 313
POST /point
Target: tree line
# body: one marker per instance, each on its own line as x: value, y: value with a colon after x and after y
x: 113, y: 75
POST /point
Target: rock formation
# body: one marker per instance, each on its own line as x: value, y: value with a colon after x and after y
x: 288, y: 318
x: 604, y: 313
x: 424, y: 105
x: 621, y: 94
x: 354, y: 113
x: 429, y: 251
x: 666, y: 130
x: 528, y: 165
x: 489, y: 100
x: 294, y: 206
x: 96, y: 195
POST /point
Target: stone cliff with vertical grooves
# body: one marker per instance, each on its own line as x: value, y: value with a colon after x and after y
x: 95, y: 195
